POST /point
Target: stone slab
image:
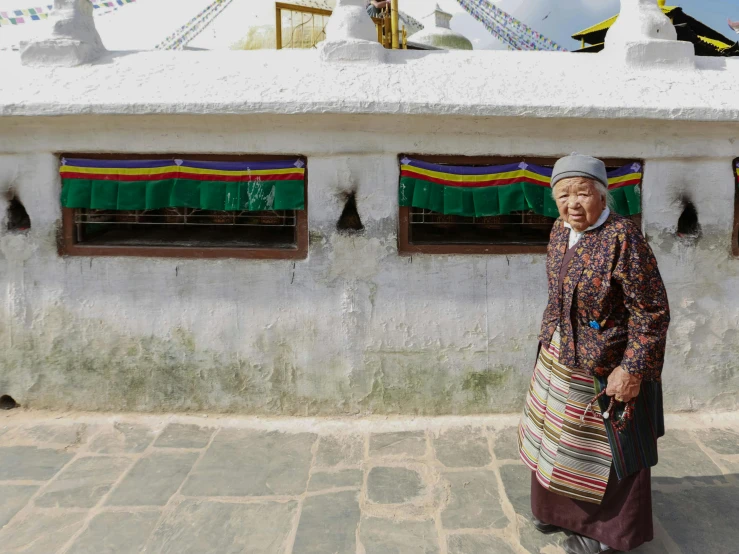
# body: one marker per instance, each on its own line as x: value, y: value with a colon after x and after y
x: 74, y: 434
x: 681, y: 461
x: 505, y: 444
x: 701, y: 519
x: 517, y: 484
x: 462, y: 448
x: 342, y: 450
x: 253, y: 463
x: 335, y: 479
x: 328, y: 524
x: 536, y: 542
x: 722, y: 441
x: 12, y: 499
x: 116, y: 533
x: 30, y: 463
x: 733, y: 467
x: 177, y: 435
x: 41, y: 532
x: 474, y: 502
x: 83, y: 483
x: 154, y: 479
x: 410, y: 444
x: 198, y: 527
x: 477, y: 544
x: 123, y: 438
x: 655, y: 546
x: 385, y: 536
x: 393, y: 485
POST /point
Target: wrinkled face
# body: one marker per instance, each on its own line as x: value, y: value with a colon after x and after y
x: 579, y: 202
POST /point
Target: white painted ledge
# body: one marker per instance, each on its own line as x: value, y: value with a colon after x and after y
x: 482, y: 83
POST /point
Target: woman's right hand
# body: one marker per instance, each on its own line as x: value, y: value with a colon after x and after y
x: 622, y: 385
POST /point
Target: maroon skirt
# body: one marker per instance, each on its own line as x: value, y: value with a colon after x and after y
x: 623, y: 520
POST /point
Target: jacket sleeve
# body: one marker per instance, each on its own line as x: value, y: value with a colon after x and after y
x: 645, y: 299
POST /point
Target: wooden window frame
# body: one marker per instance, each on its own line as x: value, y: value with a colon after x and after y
x: 407, y: 248
x: 69, y: 247
x: 735, y: 228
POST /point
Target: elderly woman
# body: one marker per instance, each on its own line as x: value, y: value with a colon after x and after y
x: 593, y: 412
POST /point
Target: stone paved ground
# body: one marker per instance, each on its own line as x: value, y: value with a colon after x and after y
x: 103, y: 484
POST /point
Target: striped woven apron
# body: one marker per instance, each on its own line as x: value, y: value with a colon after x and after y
x: 566, y: 448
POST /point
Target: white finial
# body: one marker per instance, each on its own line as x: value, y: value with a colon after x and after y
x: 351, y: 35
x: 438, y: 18
x: 644, y: 36
x: 74, y: 40
x: 437, y: 32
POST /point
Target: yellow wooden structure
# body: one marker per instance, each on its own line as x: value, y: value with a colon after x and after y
x: 707, y: 41
x: 307, y: 26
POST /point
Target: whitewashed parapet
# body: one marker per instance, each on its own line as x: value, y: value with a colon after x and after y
x: 73, y: 40
x: 644, y: 36
x: 351, y: 35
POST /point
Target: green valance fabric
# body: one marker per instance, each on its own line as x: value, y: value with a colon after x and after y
x: 477, y: 202
x: 183, y: 193
x: 474, y: 191
x: 155, y: 184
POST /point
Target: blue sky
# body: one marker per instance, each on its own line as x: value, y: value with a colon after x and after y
x: 565, y: 17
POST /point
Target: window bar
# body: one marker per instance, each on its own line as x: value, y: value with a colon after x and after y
x: 292, y: 30
x: 78, y: 227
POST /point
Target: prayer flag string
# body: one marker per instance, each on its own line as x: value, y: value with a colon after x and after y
x: 26, y: 15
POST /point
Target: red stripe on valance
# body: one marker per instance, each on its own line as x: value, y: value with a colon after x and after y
x: 624, y: 184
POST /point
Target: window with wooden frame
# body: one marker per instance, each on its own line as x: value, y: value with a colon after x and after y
x: 491, y: 205
x: 735, y: 230
x: 184, y: 206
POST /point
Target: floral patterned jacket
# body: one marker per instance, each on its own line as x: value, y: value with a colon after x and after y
x: 613, y: 308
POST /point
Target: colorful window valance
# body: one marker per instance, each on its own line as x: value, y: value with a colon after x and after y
x: 476, y: 191
x: 175, y: 183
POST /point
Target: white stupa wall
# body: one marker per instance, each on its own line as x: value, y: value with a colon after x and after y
x: 355, y: 327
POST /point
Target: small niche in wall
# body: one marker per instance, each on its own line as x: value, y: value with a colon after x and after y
x: 688, y: 225
x: 17, y: 219
x: 349, y: 221
x: 7, y: 402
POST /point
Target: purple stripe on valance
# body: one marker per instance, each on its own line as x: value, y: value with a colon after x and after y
x: 628, y: 169
x: 243, y: 166
x: 151, y: 164
x: 478, y: 170
x: 120, y: 164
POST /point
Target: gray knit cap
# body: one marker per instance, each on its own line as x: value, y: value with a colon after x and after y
x: 577, y: 165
